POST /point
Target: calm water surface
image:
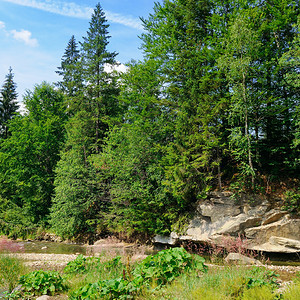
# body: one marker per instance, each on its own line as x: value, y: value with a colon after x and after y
x: 52, y: 248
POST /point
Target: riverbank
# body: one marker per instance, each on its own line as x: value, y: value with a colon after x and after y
x: 105, y: 268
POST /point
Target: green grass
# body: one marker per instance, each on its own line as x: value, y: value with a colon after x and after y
x: 11, y: 268
x: 219, y: 283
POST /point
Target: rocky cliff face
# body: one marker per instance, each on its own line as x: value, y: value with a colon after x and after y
x: 266, y: 228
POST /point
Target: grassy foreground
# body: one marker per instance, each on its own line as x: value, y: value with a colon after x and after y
x: 169, y: 274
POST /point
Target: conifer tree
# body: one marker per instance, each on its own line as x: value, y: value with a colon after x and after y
x: 93, y: 112
x: 100, y: 80
x: 71, y: 83
x: 8, y: 102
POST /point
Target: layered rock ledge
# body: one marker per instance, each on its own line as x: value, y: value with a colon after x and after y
x: 266, y: 228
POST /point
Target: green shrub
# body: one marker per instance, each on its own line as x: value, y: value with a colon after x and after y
x: 166, y: 265
x: 43, y: 283
x: 83, y: 265
x: 118, y: 288
x: 261, y: 277
x: 156, y: 270
x: 78, y: 265
x: 292, y: 201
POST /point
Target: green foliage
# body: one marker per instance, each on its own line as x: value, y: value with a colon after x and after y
x: 79, y: 194
x: 139, y: 202
x: 156, y: 270
x: 118, y: 288
x: 16, y: 295
x: 166, y: 265
x: 71, y: 83
x: 219, y: 283
x: 215, y: 100
x: 78, y: 265
x: 43, y: 283
x: 29, y: 155
x: 75, y: 195
x: 177, y: 38
x: 14, y: 221
x: 85, y: 264
x: 260, y: 277
x: 292, y: 201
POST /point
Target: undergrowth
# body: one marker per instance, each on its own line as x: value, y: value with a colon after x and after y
x: 169, y: 274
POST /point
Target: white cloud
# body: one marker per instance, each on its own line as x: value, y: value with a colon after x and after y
x: 72, y: 9
x: 2, y: 25
x: 119, y: 68
x: 24, y: 36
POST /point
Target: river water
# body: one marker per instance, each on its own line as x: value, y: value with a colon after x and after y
x: 64, y: 248
x: 52, y: 248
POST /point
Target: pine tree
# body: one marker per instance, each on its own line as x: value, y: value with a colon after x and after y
x: 70, y: 70
x: 8, y: 103
x: 101, y: 90
x: 93, y: 112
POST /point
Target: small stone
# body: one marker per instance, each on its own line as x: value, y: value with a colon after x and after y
x: 241, y: 259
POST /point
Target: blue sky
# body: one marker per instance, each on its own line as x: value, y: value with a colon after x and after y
x: 35, y: 33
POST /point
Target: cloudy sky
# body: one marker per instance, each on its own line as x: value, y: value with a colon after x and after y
x: 35, y: 33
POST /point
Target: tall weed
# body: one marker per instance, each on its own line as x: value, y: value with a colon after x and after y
x: 11, y: 267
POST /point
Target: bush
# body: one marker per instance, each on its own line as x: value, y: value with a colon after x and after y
x: 168, y: 264
x: 156, y: 270
x: 78, y: 265
x: 292, y: 201
x: 118, y: 288
x: 43, y: 283
x: 84, y: 265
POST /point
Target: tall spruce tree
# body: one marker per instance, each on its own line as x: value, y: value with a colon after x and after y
x: 93, y: 112
x: 97, y: 65
x: 8, y: 103
x: 71, y: 83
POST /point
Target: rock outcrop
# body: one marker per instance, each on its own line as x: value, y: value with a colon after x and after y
x: 266, y: 228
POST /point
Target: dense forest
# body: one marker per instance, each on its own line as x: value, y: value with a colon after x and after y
x: 213, y: 105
